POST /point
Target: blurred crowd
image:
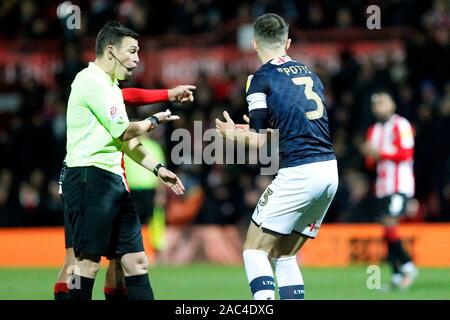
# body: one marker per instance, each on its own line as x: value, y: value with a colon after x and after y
x: 43, y: 19
x: 32, y: 136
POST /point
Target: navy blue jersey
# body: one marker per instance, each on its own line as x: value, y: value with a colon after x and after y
x: 285, y: 95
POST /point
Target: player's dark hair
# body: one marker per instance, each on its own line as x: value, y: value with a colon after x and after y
x: 112, y: 33
x: 270, y: 28
x: 383, y: 91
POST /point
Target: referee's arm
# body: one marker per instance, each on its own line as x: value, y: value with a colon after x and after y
x: 101, y: 103
x: 139, y: 154
x: 138, y: 128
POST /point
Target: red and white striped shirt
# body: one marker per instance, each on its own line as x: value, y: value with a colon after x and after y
x: 394, y: 140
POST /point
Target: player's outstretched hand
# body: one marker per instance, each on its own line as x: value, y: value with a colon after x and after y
x: 182, y: 93
x: 166, y: 116
x: 171, y: 180
x: 245, y: 126
x: 227, y: 127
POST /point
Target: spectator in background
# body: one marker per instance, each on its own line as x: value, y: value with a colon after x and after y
x: 72, y: 63
x: 218, y: 206
x: 182, y: 211
x: 442, y: 156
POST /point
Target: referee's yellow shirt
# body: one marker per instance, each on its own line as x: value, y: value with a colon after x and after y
x: 96, y: 118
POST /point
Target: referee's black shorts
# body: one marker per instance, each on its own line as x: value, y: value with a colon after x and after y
x: 100, y: 218
x: 67, y: 229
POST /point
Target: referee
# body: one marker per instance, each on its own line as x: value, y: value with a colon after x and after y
x: 97, y: 202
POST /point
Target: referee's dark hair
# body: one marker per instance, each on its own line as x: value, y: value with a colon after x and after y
x: 112, y: 33
x: 270, y: 30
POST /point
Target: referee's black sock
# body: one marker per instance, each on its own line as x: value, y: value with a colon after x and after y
x: 139, y: 288
x: 83, y: 291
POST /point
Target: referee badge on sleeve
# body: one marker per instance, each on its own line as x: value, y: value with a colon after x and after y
x: 114, y: 113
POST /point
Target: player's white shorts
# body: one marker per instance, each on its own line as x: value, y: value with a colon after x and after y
x: 298, y: 199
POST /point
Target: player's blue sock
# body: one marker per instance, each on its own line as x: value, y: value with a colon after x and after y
x: 259, y: 274
x: 83, y: 291
x: 138, y: 287
x: 295, y: 292
x: 289, y: 278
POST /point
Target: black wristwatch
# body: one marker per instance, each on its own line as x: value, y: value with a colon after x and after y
x: 159, y: 165
x: 154, y: 121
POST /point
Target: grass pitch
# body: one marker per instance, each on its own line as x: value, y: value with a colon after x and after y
x: 213, y: 282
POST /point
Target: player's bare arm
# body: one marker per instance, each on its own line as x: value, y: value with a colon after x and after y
x: 138, y: 128
x: 239, y: 132
x: 139, y: 154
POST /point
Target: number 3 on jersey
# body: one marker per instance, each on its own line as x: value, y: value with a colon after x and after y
x: 310, y: 95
